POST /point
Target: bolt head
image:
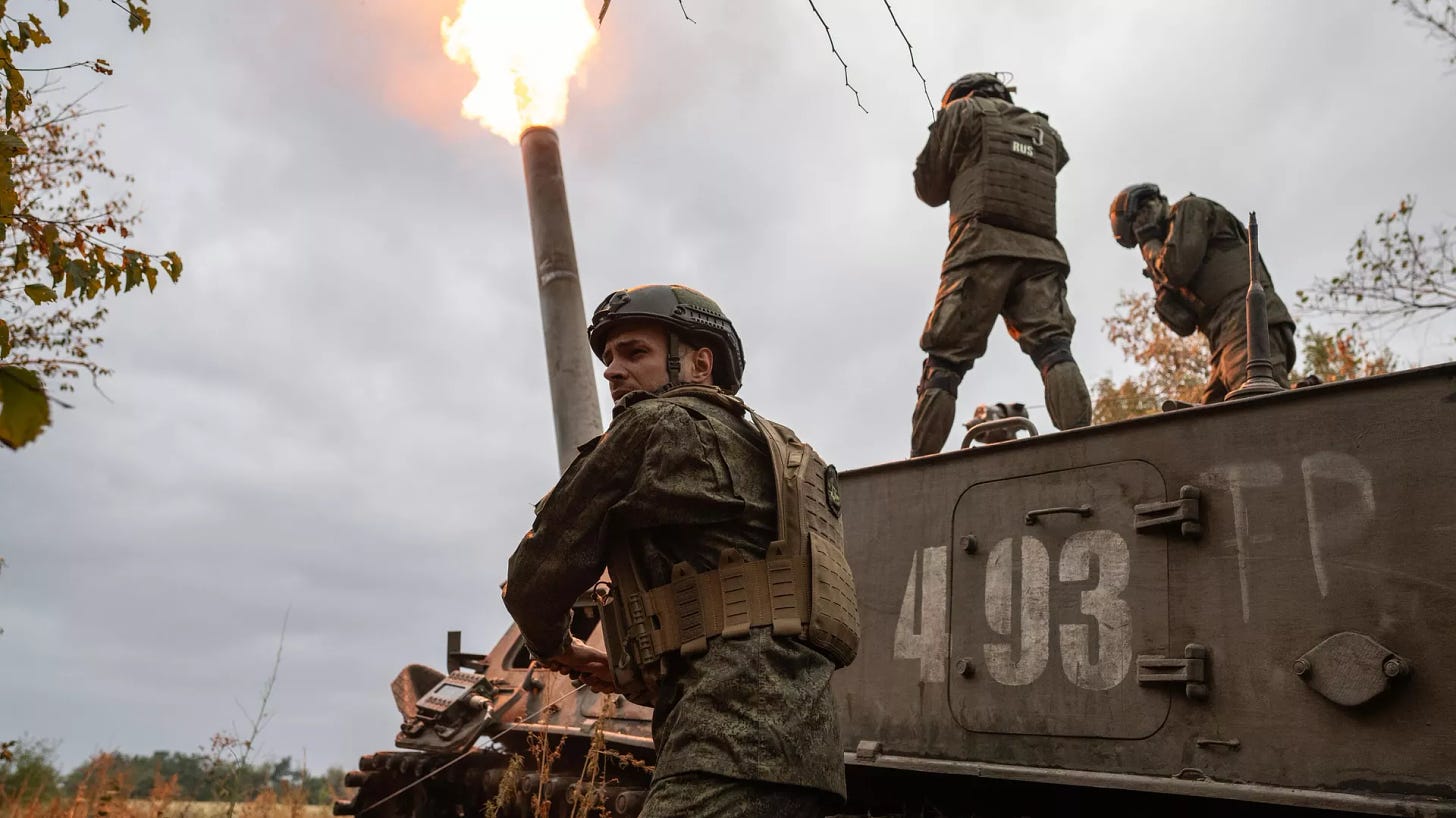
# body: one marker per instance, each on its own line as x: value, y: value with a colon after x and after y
x: 964, y: 667
x: 1394, y: 667
x: 968, y: 543
x: 1301, y: 667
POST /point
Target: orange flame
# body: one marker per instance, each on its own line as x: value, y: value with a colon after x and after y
x: 524, y: 53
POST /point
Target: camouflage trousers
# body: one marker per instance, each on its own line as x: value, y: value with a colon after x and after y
x: 704, y: 795
x: 1030, y: 295
x: 1229, y: 355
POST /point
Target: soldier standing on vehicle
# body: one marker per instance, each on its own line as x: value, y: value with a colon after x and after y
x: 997, y: 165
x: 1197, y: 255
x: 681, y: 500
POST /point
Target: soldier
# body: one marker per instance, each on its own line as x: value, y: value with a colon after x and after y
x: 997, y: 165
x: 1197, y: 255
x: 680, y: 499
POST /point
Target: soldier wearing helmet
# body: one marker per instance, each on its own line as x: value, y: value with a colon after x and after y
x: 1197, y: 255
x: 681, y: 501
x: 996, y: 164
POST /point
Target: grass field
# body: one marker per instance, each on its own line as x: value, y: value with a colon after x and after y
x: 218, y: 809
x: 264, y: 807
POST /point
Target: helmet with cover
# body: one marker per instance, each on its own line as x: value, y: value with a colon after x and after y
x: 686, y: 314
x: 978, y: 84
x: 1125, y: 207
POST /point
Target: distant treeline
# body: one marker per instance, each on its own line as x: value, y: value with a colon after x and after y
x: 28, y: 769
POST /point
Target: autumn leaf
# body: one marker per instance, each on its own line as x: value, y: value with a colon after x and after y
x: 4, y: 338
x: 11, y: 144
x: 24, y: 410
x: 172, y: 263
x: 40, y: 293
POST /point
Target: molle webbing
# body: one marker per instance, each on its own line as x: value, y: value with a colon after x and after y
x: 1013, y: 183
x: 739, y: 595
x: 802, y: 588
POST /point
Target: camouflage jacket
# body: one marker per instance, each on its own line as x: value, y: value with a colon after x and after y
x: 679, y: 478
x: 953, y: 148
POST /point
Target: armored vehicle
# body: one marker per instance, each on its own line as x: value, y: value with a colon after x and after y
x: 1247, y: 606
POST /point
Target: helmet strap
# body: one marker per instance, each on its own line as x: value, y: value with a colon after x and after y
x: 674, y: 362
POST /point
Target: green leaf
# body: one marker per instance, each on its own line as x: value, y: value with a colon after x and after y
x: 4, y: 338
x: 110, y: 275
x: 40, y: 293
x: 133, y: 275
x: 77, y: 275
x: 24, y: 410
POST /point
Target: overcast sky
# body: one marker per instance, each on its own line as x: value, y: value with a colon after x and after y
x: 341, y: 412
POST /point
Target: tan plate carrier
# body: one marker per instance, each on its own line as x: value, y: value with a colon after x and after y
x: 803, y: 588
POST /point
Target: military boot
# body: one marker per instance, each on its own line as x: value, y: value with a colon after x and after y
x: 1066, y: 395
x: 930, y: 425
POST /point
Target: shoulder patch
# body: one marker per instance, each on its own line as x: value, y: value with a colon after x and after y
x: 831, y: 489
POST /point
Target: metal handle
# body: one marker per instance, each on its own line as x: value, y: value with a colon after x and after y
x: 1083, y: 510
x: 1015, y: 424
x: 1231, y: 743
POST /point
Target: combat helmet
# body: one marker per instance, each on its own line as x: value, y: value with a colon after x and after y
x: 980, y: 83
x: 687, y: 314
x: 1126, y: 206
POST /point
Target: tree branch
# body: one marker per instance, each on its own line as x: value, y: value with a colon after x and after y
x: 132, y: 18
x: 923, y: 84
x: 1443, y: 26
x: 836, y: 56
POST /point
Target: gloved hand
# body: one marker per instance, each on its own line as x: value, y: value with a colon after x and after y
x: 1147, y: 223
x: 1148, y: 231
x: 1175, y: 311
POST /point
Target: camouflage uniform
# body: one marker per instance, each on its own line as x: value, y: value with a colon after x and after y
x: 1204, y: 260
x: 990, y: 270
x: 750, y: 727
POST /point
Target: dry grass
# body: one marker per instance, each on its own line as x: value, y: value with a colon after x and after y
x: 99, y: 795
x: 216, y: 809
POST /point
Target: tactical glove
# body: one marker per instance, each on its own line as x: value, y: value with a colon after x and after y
x: 1175, y: 311
x: 1148, y: 231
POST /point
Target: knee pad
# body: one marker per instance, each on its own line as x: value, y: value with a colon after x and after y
x: 938, y: 373
x: 1052, y: 351
x: 1068, y: 402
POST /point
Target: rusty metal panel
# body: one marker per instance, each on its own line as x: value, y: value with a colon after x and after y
x: 1054, y: 594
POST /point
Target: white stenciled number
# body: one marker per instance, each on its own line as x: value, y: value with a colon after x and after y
x: 927, y: 642
x: 1006, y: 664
x: 1022, y: 661
x: 1103, y: 603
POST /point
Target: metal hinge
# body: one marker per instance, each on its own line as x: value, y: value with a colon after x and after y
x: 1191, y: 671
x: 1181, y: 515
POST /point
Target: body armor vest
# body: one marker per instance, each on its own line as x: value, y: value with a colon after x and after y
x: 803, y: 588
x: 1012, y: 179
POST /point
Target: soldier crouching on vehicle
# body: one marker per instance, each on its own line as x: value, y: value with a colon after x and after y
x: 1197, y: 255
x: 712, y: 521
x: 997, y: 165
